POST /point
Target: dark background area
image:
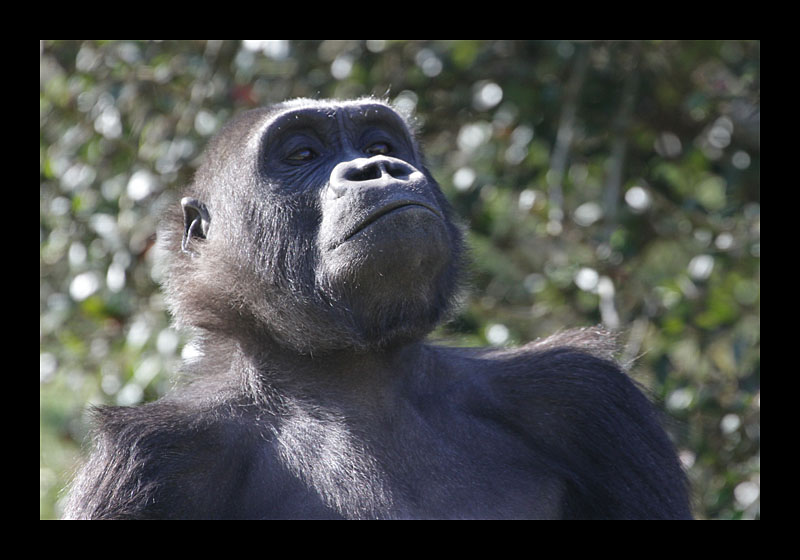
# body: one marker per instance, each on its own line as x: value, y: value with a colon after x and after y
x: 602, y: 182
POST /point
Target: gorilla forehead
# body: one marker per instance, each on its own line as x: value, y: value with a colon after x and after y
x: 364, y: 106
x: 326, y: 113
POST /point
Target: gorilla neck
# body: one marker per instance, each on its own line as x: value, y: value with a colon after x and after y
x: 327, y: 323
x: 270, y: 373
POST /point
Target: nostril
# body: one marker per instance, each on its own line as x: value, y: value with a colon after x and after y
x: 364, y: 173
x: 398, y: 169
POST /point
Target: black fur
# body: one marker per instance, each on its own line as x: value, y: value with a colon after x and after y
x: 316, y: 254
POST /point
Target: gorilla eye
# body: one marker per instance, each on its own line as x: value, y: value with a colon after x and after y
x: 301, y: 155
x: 379, y: 149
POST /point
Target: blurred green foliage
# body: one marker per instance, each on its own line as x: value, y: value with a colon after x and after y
x: 602, y: 182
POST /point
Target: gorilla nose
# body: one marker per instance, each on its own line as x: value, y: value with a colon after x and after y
x: 377, y: 171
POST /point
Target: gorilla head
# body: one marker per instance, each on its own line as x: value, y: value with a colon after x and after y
x: 314, y: 225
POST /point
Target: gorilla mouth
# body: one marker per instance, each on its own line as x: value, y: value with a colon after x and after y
x: 397, y: 206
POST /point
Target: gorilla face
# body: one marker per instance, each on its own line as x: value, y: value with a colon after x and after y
x: 315, y: 224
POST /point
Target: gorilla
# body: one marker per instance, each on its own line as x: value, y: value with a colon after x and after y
x: 311, y: 256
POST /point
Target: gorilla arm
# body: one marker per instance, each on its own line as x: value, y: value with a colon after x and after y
x: 593, y: 427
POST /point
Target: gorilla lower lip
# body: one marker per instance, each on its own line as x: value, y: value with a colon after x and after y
x: 388, y: 209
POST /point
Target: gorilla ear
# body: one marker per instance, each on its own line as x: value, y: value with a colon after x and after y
x: 195, y: 222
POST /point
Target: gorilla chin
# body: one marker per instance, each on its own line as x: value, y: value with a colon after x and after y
x: 391, y: 272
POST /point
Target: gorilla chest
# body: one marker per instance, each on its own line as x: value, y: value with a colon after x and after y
x: 414, y: 468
